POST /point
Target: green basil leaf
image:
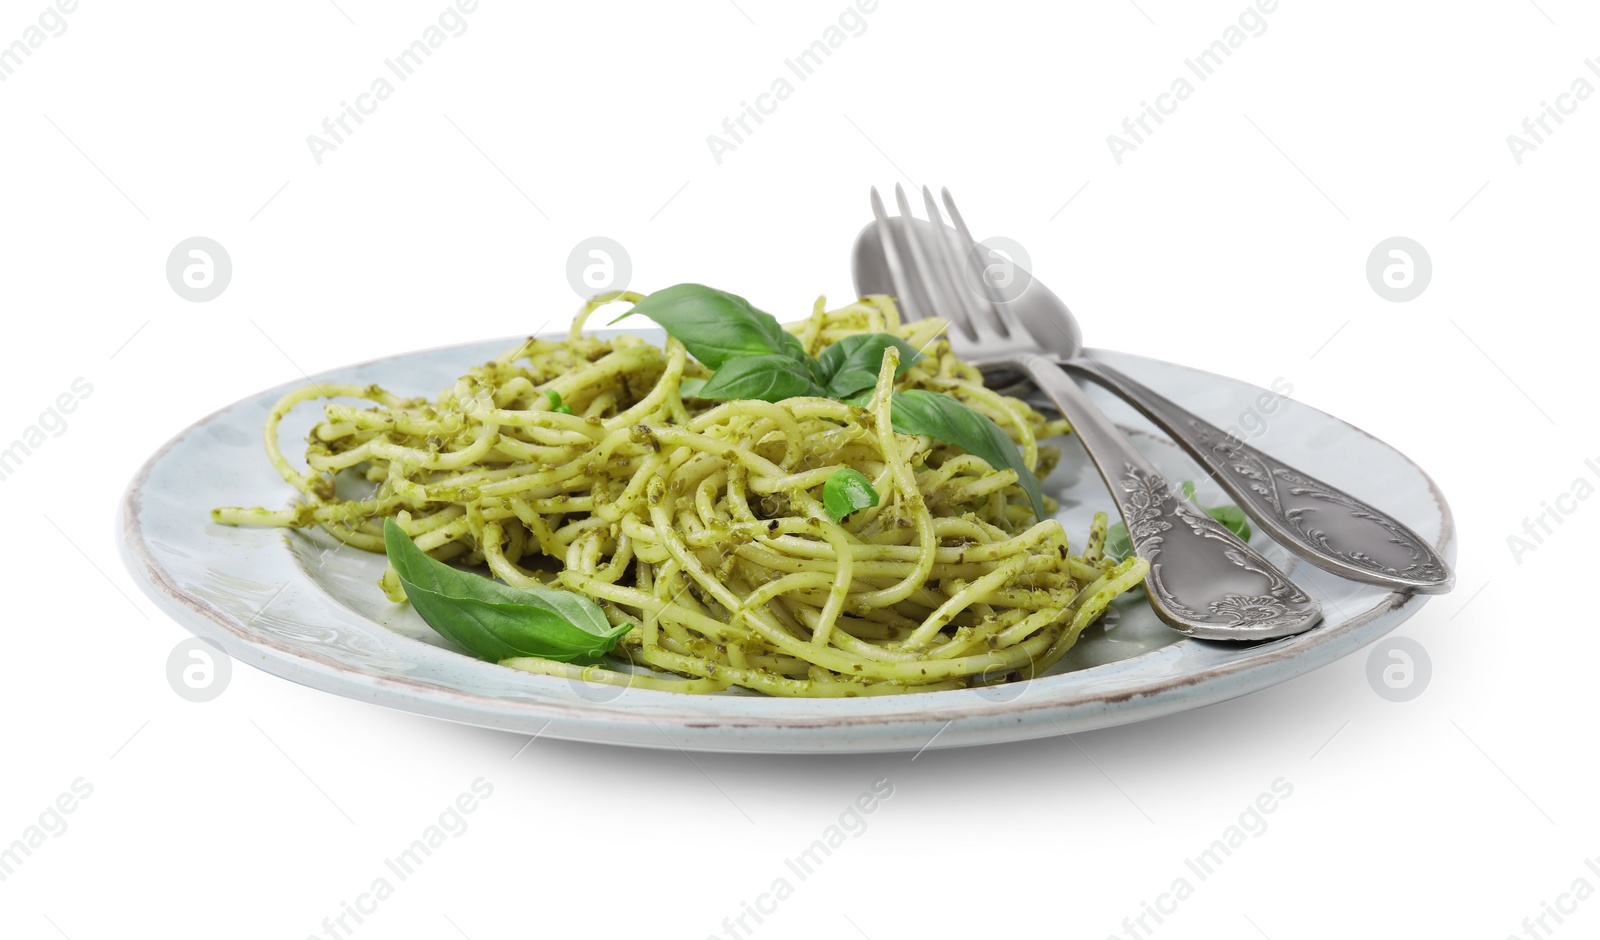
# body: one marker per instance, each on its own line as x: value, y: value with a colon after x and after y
x: 941, y: 416
x: 691, y: 388
x: 846, y: 491
x: 794, y: 349
x: 555, y: 402
x: 1118, y: 546
x: 1234, y: 519
x: 496, y: 621
x: 852, y: 364
x: 716, y: 326
x: 763, y: 378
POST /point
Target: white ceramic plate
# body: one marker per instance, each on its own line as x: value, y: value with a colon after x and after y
x: 299, y: 606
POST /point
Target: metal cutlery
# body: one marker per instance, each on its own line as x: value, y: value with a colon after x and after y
x: 1319, y: 522
x: 1203, y: 580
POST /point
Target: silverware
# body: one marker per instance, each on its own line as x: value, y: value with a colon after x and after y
x: 1321, y: 523
x: 1203, y: 580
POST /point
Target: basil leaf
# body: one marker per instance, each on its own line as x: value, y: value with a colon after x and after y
x: 846, y: 491
x: 764, y: 378
x: 1232, y: 518
x: 941, y: 416
x: 691, y: 388
x: 852, y: 364
x: 496, y: 621
x: 716, y: 326
x: 794, y: 349
x: 1119, y: 546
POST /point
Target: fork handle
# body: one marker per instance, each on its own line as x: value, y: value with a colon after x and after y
x: 1321, y: 523
x: 1203, y: 580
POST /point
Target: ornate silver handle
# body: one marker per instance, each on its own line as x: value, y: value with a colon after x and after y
x: 1322, y: 524
x: 1203, y: 580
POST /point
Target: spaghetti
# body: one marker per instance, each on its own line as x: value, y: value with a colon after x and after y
x: 702, y: 522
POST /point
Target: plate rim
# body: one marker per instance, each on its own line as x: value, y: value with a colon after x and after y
x: 1270, y: 662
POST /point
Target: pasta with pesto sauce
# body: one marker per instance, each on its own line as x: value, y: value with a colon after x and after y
x: 701, y: 522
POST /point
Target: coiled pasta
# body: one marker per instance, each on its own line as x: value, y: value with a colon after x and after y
x: 702, y: 522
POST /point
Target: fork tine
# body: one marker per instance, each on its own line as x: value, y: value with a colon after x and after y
x: 909, y: 306
x: 956, y: 303
x: 921, y: 264
x: 1010, y: 325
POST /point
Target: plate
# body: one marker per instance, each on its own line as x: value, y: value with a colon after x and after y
x: 301, y: 606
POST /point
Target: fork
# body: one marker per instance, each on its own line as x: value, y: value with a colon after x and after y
x: 1203, y: 581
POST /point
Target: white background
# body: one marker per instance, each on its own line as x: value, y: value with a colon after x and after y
x: 1235, y: 238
